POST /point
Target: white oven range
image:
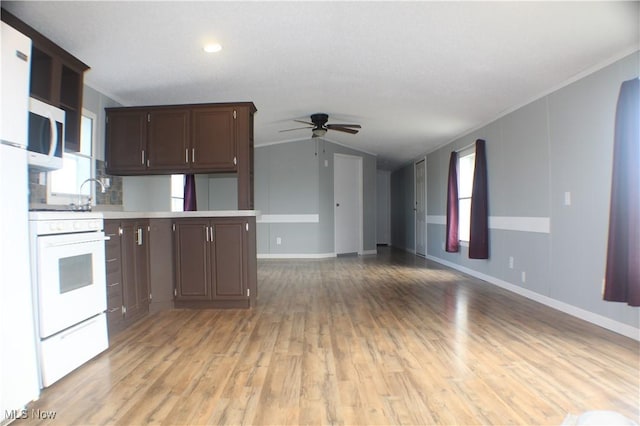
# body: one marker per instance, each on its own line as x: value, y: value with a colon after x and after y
x: 69, y: 290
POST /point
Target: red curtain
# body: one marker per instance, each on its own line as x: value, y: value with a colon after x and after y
x: 452, y: 245
x: 189, y: 193
x: 622, y: 279
x: 479, y: 232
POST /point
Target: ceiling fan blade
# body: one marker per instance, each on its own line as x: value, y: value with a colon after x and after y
x: 357, y: 126
x: 297, y: 128
x: 342, y: 129
x: 304, y: 122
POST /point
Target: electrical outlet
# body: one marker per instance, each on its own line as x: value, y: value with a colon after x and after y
x: 524, y: 277
x: 510, y: 262
x: 326, y: 163
x: 567, y: 198
x: 278, y: 240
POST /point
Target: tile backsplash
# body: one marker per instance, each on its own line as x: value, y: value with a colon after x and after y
x: 113, y: 194
x: 111, y: 197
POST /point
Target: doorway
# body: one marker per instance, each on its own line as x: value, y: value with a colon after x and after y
x: 421, y: 207
x: 383, y: 204
x: 347, y: 197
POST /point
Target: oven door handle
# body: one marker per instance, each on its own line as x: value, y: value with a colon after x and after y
x: 96, y: 240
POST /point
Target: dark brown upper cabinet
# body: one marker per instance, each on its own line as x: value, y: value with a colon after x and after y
x: 140, y: 141
x: 213, y: 141
x: 127, y: 136
x: 167, y: 139
x: 57, y: 78
x: 175, y: 139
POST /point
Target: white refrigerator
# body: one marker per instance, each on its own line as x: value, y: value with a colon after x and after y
x: 18, y: 362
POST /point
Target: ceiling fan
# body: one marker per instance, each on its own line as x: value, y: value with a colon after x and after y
x: 319, y: 126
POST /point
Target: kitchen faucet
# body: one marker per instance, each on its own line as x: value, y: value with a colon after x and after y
x: 87, y: 206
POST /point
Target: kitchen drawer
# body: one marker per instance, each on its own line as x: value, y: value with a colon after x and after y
x: 112, y: 267
x: 114, y: 294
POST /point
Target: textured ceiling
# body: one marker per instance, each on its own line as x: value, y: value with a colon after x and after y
x: 414, y: 74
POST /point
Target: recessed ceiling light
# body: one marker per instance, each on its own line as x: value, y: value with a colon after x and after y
x: 212, y: 47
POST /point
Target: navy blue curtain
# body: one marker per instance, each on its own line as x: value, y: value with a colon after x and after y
x: 189, y: 193
x: 479, y: 232
x: 453, y: 244
x: 622, y: 278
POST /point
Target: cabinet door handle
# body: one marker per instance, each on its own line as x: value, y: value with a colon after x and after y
x: 206, y: 231
x: 212, y: 228
x: 142, y: 157
x: 139, y: 239
x: 186, y: 155
x: 193, y: 155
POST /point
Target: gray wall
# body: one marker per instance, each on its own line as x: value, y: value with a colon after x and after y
x: 147, y: 193
x: 560, y: 143
x: 292, y: 179
x: 96, y: 102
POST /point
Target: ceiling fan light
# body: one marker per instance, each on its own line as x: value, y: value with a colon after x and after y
x: 319, y: 132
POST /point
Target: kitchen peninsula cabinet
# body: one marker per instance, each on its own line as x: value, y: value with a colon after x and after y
x: 135, y: 269
x: 127, y: 269
x: 214, y: 267
x: 177, y: 139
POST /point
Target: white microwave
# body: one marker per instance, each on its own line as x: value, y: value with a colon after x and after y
x: 45, y: 141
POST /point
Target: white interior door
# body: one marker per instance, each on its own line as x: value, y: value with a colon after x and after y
x: 421, y: 208
x: 347, y: 194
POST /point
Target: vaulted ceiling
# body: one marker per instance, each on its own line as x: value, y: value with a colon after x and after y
x: 415, y: 75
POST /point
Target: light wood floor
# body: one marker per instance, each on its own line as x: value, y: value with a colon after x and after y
x: 391, y: 339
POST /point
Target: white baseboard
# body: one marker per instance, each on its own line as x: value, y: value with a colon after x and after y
x: 599, y: 320
x: 295, y: 255
x: 308, y: 255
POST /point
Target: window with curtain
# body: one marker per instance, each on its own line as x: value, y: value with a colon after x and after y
x: 63, y: 185
x: 466, y: 162
x: 177, y: 193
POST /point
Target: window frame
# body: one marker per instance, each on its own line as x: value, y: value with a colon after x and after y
x: 175, y: 198
x: 68, y: 198
x: 464, y: 154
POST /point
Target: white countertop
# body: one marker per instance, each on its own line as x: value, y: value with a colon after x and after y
x: 172, y: 215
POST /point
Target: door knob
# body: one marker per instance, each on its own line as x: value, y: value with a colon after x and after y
x: 337, y: 204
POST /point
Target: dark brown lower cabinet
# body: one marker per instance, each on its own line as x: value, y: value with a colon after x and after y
x: 128, y: 289
x: 212, y: 262
x: 115, y: 319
